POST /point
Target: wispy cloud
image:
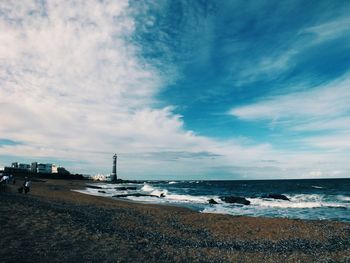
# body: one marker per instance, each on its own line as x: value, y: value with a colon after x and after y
x: 322, y: 109
x: 327, y: 101
x: 337, y: 27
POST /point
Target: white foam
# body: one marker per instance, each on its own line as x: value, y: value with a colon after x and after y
x: 297, y: 201
x: 173, y: 182
x: 146, y: 199
x: 344, y: 198
x: 147, y: 188
x: 317, y: 187
x: 190, y: 198
x: 159, y: 192
x: 95, y: 192
x: 232, y: 209
x: 217, y: 209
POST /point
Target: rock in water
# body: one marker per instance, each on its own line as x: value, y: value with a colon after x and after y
x: 125, y: 188
x: 235, y: 200
x: 103, y: 192
x: 136, y: 195
x: 276, y: 196
x: 93, y: 186
x: 212, y: 201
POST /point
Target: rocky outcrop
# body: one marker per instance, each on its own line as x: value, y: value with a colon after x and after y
x: 126, y: 188
x: 235, y: 200
x: 276, y: 196
x: 212, y: 201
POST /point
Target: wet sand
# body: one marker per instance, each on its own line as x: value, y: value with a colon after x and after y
x: 54, y: 224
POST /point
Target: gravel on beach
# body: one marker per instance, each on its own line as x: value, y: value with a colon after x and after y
x: 54, y: 224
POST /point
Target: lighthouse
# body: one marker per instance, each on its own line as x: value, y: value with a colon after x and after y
x: 114, y: 170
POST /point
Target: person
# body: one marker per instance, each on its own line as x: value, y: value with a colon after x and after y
x: 27, y: 184
x: 5, y: 179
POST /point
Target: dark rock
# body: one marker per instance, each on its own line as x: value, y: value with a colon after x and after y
x: 276, y: 196
x: 101, y: 191
x: 94, y: 187
x: 162, y: 195
x: 212, y: 201
x: 137, y: 195
x: 235, y: 200
x: 126, y: 188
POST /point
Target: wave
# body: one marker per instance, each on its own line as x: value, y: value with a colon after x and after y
x: 297, y: 201
x: 344, y: 198
x: 147, y: 188
x: 159, y: 192
x: 317, y: 187
x: 173, y: 182
x: 189, y: 198
x: 96, y: 192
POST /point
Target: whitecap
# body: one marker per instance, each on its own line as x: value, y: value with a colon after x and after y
x: 344, y: 198
x: 159, y: 192
x: 147, y: 188
x: 317, y: 187
x: 296, y: 201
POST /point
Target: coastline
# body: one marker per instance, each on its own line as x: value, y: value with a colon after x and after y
x: 57, y: 224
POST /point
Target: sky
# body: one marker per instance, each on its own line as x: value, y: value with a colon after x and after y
x: 179, y: 89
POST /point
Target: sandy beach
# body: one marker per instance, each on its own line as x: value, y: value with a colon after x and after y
x: 55, y: 224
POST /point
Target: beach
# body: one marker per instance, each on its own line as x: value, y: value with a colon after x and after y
x: 52, y: 223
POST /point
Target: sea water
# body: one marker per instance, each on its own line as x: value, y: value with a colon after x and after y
x: 320, y: 199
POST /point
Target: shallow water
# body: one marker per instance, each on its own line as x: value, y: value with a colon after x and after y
x: 309, y: 199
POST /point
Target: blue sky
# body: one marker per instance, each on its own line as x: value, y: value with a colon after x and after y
x: 180, y: 89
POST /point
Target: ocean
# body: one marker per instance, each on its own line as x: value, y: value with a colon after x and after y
x: 312, y: 199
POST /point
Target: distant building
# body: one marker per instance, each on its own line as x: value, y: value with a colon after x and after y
x: 47, y: 168
x: 36, y: 167
x: 24, y: 166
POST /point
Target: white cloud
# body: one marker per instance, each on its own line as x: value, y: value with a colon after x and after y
x: 335, y: 142
x: 279, y: 60
x: 74, y: 88
x: 328, y: 101
x: 328, y: 30
x: 322, y: 109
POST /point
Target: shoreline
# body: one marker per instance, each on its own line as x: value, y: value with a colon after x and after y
x: 53, y: 222
x: 203, y: 206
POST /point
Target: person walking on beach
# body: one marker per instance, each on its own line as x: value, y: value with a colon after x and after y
x: 27, y: 184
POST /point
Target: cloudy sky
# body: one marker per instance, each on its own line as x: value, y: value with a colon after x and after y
x: 179, y: 89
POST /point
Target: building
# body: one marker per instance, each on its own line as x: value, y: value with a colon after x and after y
x: 24, y: 166
x: 47, y: 168
x: 34, y: 167
x: 114, y: 169
x: 37, y: 168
